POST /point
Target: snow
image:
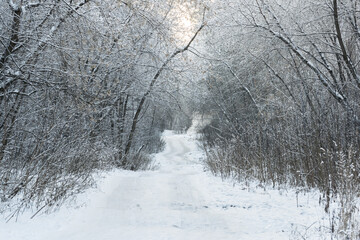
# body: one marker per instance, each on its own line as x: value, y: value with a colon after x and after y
x: 13, y: 6
x: 179, y: 199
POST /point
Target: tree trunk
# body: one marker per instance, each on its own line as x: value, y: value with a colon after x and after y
x: 152, y: 83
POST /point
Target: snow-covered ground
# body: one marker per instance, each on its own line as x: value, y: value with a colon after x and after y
x: 177, y: 200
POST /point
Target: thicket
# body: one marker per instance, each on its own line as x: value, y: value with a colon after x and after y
x: 283, y: 95
x: 84, y: 87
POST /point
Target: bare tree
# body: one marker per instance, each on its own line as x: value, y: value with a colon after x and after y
x: 78, y: 93
x: 298, y: 61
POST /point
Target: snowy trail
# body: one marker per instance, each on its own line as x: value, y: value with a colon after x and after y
x: 177, y: 201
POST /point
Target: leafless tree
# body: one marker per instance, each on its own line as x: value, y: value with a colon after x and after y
x: 300, y: 122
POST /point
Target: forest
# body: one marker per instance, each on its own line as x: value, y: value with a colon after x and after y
x: 87, y: 86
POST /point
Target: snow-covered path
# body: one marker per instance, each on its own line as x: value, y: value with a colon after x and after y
x: 178, y: 200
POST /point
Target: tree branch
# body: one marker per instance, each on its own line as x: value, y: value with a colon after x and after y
x: 150, y: 88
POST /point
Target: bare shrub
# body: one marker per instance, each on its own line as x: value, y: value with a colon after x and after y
x: 138, y: 161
